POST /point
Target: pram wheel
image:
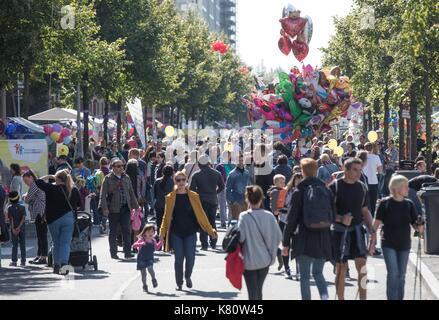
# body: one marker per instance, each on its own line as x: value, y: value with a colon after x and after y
x: 95, y: 263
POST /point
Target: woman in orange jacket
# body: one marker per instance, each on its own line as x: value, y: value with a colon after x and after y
x: 184, y: 216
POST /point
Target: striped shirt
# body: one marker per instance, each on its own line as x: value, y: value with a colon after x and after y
x: 36, y: 198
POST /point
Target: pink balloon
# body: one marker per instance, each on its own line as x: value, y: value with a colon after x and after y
x: 293, y: 26
x: 65, y: 132
x: 47, y: 129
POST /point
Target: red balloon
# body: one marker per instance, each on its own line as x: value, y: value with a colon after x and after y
x: 300, y: 50
x: 285, y: 45
x: 132, y: 143
x: 131, y: 132
x: 293, y: 26
x: 296, y: 135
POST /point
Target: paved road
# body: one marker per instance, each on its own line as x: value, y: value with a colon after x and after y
x: 120, y: 280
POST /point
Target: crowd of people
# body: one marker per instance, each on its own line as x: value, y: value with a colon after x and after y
x: 311, y: 206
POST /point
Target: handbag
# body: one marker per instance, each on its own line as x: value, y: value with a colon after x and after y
x: 76, y: 230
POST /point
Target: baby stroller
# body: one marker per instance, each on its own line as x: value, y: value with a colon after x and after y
x: 80, y: 248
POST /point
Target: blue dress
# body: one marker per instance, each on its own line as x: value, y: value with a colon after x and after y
x: 145, y: 257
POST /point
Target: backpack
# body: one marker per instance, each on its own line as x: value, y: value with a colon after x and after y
x: 281, y: 198
x: 317, y: 207
x: 231, y: 239
x: 136, y: 219
x: 91, y: 183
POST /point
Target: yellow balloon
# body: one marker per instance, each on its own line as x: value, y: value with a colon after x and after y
x: 63, y: 150
x: 332, y: 144
x: 54, y: 136
x: 338, y: 151
x: 372, y: 136
x: 169, y: 131
x: 228, y: 147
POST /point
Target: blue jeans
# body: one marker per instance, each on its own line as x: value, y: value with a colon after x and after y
x: 396, y: 265
x: 19, y: 240
x: 61, y: 231
x: 305, y: 263
x: 184, y: 249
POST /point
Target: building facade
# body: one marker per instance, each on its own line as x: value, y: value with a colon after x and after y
x: 220, y: 15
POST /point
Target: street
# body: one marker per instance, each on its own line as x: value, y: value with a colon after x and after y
x: 119, y: 280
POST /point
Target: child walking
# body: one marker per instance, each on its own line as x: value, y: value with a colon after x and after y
x: 16, y: 216
x: 146, y: 245
x: 278, y: 194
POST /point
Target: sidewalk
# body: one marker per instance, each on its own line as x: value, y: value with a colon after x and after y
x: 429, y: 268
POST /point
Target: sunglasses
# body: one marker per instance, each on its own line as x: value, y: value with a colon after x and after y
x: 119, y: 166
x: 180, y: 180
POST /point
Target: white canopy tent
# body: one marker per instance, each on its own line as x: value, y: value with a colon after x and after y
x: 67, y: 115
x: 55, y: 114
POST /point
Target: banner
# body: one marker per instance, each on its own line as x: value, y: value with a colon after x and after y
x: 136, y: 113
x: 29, y: 154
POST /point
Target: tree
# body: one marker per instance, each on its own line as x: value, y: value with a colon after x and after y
x: 393, y: 61
x: 79, y: 55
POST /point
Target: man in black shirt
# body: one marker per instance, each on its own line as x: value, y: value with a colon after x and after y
x: 349, y: 236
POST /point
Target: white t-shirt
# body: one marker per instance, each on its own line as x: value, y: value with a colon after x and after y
x: 370, y: 170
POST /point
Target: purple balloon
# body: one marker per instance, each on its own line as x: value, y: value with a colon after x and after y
x: 56, y: 127
x: 357, y: 105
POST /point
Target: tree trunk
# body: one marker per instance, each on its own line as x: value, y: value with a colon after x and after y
x: 178, y: 118
x: 85, y: 102
x: 428, y: 112
x: 3, y: 105
x: 203, y: 119
x: 369, y: 122
x: 193, y: 114
x: 14, y: 106
x: 413, y: 114
x: 119, y: 121
x: 376, y: 112
x: 106, y: 108
x: 401, y: 132
x: 171, y: 116
x: 26, y: 83
x: 386, y: 116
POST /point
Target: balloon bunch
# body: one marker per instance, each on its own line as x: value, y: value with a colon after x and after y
x: 220, y: 46
x: 302, y: 103
x: 296, y: 33
x: 56, y: 133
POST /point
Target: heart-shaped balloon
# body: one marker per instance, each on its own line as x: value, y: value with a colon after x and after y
x: 285, y: 45
x: 300, y: 50
x: 293, y: 26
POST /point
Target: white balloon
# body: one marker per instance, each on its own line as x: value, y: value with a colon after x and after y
x: 308, y: 30
x: 287, y: 9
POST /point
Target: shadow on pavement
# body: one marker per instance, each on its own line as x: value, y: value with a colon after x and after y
x: 212, y: 294
x: 15, y: 281
x: 91, y: 275
x: 161, y: 294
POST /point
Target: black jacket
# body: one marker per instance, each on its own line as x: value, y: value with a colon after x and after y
x: 207, y: 182
x: 313, y: 243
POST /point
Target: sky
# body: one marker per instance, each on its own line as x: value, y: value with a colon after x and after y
x: 258, y: 30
